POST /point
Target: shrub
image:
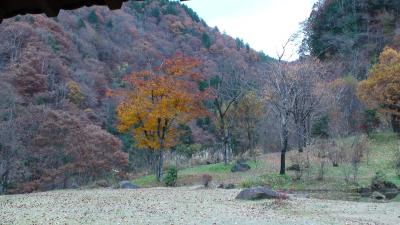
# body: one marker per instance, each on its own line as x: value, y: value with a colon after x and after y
x: 353, y: 154
x: 275, y: 181
x: 302, y: 160
x: 369, y: 121
x: 206, y: 179
x: 251, y: 182
x: 321, y: 127
x: 378, y: 179
x: 188, y: 150
x: 171, y: 177
x: 321, y: 153
x: 336, y: 153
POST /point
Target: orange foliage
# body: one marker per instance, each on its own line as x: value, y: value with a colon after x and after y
x: 382, y: 88
x: 160, y: 101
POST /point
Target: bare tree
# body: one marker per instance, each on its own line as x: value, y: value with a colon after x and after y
x: 278, y: 92
x: 228, y: 89
x: 291, y: 89
x: 306, y: 95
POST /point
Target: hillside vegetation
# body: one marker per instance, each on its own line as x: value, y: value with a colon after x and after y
x: 94, y: 97
x: 380, y: 159
x: 58, y: 125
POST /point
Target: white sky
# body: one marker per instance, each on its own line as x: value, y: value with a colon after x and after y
x: 265, y: 24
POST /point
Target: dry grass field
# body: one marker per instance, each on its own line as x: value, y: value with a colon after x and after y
x: 184, y: 205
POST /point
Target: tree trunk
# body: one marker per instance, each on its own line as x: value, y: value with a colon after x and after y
x: 226, y: 137
x: 284, y: 142
x: 300, y: 134
x: 396, y: 123
x: 3, y: 176
x: 159, y: 166
x: 303, y: 135
x: 250, y: 144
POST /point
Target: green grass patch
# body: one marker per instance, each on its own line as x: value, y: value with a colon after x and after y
x: 212, y: 168
x: 263, y: 172
x: 147, y: 181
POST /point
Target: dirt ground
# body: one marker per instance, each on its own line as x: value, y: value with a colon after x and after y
x: 184, y: 205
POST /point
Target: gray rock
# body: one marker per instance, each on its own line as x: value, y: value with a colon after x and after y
x: 260, y: 193
x: 229, y: 186
x: 364, y: 192
x: 127, y: 185
x: 294, y: 167
x: 378, y: 196
x: 390, y: 193
x: 226, y: 186
x: 387, y: 188
x: 102, y: 183
x: 240, y: 167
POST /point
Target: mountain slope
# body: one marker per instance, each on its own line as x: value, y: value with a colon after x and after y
x: 54, y: 77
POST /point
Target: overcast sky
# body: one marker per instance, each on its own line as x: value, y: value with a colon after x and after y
x: 264, y: 24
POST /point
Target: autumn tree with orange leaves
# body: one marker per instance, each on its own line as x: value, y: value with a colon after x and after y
x: 160, y: 100
x: 382, y: 88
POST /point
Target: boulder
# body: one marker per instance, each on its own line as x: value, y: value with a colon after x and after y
x: 229, y: 186
x: 390, y: 193
x: 364, y: 192
x: 260, y: 193
x: 102, y: 183
x: 240, y: 167
x: 127, y: 185
x: 378, y: 196
x: 295, y: 167
x: 226, y: 186
x: 387, y: 188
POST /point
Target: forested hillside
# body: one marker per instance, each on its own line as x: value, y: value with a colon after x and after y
x: 97, y: 95
x: 58, y: 125
x: 350, y: 36
x: 352, y: 32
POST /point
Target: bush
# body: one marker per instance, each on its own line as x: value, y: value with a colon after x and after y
x: 206, y: 179
x: 171, y: 177
x: 251, y: 182
x: 320, y: 151
x: 369, y: 121
x: 188, y: 150
x: 302, y: 160
x: 276, y: 181
x: 321, y: 127
x: 352, y: 155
